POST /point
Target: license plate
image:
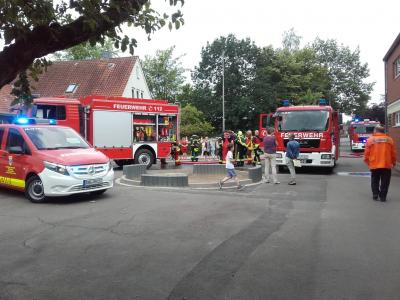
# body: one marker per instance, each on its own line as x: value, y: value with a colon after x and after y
x: 92, y: 182
x: 303, y: 161
x: 303, y: 157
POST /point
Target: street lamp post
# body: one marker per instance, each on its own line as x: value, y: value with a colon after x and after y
x: 223, y: 91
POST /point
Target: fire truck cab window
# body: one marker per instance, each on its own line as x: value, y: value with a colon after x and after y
x: 15, y: 139
x: 56, y: 112
x: 363, y: 129
x: 303, y: 120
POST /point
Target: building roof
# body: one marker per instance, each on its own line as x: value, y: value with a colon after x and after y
x: 107, y: 77
x: 395, y: 44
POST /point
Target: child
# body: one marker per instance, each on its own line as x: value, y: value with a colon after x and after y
x: 230, y: 169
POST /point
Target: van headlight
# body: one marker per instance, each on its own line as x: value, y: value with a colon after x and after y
x: 60, y: 169
x: 326, y: 156
x: 110, y: 165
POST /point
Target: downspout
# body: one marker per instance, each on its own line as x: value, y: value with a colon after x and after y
x: 386, y: 99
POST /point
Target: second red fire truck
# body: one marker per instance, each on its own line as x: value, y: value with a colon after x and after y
x: 316, y: 128
x: 127, y: 130
x: 359, y: 132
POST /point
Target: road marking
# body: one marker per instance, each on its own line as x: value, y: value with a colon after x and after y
x: 358, y: 174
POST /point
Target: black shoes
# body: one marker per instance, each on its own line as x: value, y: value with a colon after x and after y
x: 375, y: 197
x: 382, y: 199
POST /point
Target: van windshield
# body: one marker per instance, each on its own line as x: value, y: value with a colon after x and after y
x: 52, y: 138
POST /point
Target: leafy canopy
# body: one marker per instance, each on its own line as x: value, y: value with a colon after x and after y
x: 193, y: 122
x: 164, y: 74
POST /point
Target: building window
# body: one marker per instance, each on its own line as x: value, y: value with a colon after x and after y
x: 133, y: 93
x: 397, y: 118
x: 141, y: 93
x: 137, y: 94
x: 397, y: 68
x: 71, y: 88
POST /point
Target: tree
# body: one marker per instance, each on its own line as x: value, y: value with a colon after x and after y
x: 374, y: 112
x: 87, y: 51
x: 34, y: 29
x: 164, y: 74
x: 239, y: 59
x: 193, y: 122
x: 291, y: 41
x: 348, y: 90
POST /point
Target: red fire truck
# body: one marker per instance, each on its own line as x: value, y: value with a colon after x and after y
x: 127, y: 130
x: 316, y: 128
x: 359, y: 132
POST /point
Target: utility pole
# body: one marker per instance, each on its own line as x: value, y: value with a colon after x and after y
x: 223, y: 90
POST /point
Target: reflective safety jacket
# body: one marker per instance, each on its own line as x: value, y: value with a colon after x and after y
x: 380, y: 152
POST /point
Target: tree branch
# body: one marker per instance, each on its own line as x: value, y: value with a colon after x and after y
x: 43, y: 40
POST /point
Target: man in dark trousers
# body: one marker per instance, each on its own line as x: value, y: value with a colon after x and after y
x: 380, y: 156
x: 292, y: 153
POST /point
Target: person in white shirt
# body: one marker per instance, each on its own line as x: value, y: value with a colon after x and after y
x: 230, y: 169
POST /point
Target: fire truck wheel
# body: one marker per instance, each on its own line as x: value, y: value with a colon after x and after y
x: 34, y: 190
x: 144, y: 157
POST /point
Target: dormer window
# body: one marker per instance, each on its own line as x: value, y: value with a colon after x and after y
x: 71, y: 88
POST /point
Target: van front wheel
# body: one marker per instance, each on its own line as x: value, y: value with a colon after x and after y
x: 34, y: 189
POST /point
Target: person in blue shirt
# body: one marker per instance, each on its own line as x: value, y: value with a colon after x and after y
x: 292, y: 152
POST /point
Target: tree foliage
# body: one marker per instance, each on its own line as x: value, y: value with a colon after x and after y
x: 193, y: 122
x: 164, y: 74
x: 34, y: 29
x: 87, y: 51
x: 374, y: 112
x: 237, y: 59
x: 348, y: 90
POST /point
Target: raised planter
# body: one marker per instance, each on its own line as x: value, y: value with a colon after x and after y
x: 208, y: 169
x: 168, y: 180
x: 134, y: 171
x: 255, y: 173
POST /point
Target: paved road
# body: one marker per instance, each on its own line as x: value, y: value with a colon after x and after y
x: 322, y: 239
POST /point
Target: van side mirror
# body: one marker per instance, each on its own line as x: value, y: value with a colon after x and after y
x: 16, y: 150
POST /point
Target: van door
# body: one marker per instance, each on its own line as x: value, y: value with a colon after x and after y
x: 3, y: 158
x: 16, y: 159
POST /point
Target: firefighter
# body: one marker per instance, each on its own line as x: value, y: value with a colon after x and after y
x: 219, y: 149
x: 257, y: 149
x: 228, y: 138
x: 176, y: 153
x: 194, y: 146
x: 249, y: 146
x: 240, y: 149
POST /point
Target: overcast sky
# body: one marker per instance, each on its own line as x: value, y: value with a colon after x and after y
x: 371, y: 25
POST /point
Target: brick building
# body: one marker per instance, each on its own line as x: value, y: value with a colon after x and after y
x: 122, y: 76
x: 392, y: 81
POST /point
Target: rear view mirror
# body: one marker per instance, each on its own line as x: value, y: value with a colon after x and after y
x: 340, y: 118
x: 16, y: 150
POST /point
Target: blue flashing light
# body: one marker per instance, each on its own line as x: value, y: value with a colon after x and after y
x: 322, y: 101
x: 285, y: 102
x: 22, y: 121
x: 356, y: 120
x: 52, y: 122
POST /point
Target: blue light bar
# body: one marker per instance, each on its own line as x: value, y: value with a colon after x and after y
x: 285, y: 102
x: 22, y: 121
x: 52, y: 122
x: 322, y: 101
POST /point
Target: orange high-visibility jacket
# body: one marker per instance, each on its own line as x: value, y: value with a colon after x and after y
x: 380, y: 152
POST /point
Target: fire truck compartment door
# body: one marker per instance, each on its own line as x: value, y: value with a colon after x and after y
x: 112, y: 129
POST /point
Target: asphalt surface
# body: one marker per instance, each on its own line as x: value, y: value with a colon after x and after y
x: 322, y: 239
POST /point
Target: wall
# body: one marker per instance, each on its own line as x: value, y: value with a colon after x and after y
x: 393, y: 96
x: 137, y: 81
